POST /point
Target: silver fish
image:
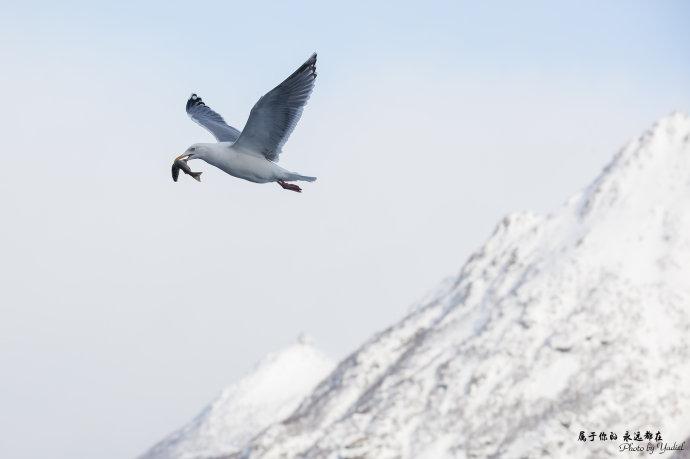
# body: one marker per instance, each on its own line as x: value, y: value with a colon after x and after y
x: 182, y: 164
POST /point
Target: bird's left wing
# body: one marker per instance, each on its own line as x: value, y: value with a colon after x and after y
x: 204, y: 116
x: 276, y: 114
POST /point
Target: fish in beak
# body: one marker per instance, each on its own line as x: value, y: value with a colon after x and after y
x: 181, y: 163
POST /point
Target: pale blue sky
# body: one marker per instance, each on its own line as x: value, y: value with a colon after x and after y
x: 129, y: 301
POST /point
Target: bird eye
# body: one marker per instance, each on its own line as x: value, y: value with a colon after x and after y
x: 192, y: 149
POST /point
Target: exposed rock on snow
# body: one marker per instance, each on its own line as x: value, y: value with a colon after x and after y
x: 268, y: 394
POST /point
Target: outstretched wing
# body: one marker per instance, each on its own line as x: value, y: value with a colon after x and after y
x: 276, y: 114
x: 204, y: 116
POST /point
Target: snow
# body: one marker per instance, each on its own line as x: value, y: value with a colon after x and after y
x: 269, y: 393
x: 548, y: 382
x: 573, y: 321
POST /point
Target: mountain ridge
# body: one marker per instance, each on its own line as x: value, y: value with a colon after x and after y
x: 608, y: 252
x: 268, y: 393
x: 559, y: 324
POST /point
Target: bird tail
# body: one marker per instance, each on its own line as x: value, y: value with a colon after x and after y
x: 196, y: 175
x: 304, y: 178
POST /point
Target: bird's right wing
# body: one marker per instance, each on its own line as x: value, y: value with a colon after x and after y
x: 276, y: 114
x: 204, y: 116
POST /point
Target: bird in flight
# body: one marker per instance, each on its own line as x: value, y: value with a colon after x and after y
x: 252, y: 154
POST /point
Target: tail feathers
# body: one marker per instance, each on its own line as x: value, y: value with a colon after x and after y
x: 304, y: 178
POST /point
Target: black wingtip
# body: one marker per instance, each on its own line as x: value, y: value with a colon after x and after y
x: 194, y: 101
x: 311, y: 65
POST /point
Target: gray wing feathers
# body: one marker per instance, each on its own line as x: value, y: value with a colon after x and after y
x: 203, y: 115
x: 276, y: 114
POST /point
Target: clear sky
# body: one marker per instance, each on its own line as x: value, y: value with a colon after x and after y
x: 129, y: 301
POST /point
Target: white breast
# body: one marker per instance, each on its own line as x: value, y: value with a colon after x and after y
x: 243, y: 165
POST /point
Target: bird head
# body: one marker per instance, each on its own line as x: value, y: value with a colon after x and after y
x: 196, y: 151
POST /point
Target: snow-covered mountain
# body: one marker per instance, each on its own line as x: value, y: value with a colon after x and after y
x: 575, y: 321
x: 268, y: 394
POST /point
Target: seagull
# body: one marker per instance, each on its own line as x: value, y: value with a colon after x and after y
x: 252, y: 154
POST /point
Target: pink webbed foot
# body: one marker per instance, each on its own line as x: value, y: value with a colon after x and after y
x: 289, y: 186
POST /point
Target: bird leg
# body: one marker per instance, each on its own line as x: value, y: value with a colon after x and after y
x: 289, y: 186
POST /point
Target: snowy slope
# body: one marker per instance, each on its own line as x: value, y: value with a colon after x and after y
x: 579, y: 320
x: 267, y: 394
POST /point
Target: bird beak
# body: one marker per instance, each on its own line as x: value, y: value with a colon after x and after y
x: 183, y: 157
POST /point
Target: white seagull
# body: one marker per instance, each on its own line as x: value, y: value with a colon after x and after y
x: 252, y: 154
